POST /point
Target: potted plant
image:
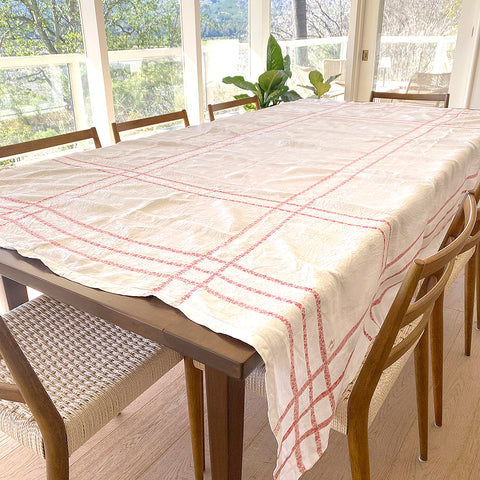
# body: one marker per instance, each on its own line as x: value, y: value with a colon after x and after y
x: 271, y: 87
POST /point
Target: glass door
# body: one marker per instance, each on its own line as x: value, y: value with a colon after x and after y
x: 315, y: 34
x: 416, y: 43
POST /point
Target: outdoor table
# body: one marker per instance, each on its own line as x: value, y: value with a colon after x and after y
x: 280, y: 235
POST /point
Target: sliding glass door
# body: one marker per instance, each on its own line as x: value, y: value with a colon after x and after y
x: 416, y: 44
x: 315, y: 34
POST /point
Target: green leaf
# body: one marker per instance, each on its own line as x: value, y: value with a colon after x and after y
x: 308, y: 87
x: 274, y: 55
x: 240, y: 82
x: 291, y: 96
x: 332, y: 78
x: 322, y: 89
x: 261, y: 96
x: 273, y: 97
x: 250, y: 107
x: 315, y: 77
x: 247, y: 107
x: 271, y: 79
x: 287, y: 66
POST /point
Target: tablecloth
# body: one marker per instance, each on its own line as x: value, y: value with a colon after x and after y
x: 289, y: 228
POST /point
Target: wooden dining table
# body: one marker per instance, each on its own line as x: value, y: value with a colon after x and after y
x: 279, y: 236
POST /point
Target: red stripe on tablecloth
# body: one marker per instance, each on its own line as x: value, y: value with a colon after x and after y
x: 357, y: 174
x: 136, y: 242
x: 259, y: 129
x: 360, y: 170
x: 320, y: 369
x: 308, y: 433
x: 470, y: 177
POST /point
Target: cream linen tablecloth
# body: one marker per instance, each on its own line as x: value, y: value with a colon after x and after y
x: 288, y: 228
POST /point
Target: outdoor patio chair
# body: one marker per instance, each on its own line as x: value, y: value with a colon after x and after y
x: 64, y: 374
x: 440, y: 99
x: 422, y: 82
x: 232, y: 104
x: 49, y: 142
x: 118, y: 127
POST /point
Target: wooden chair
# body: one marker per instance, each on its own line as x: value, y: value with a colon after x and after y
x: 64, y: 374
x: 148, y: 122
x: 422, y: 82
x: 49, y: 142
x: 440, y: 99
x: 405, y: 330
x: 232, y: 104
x: 468, y: 260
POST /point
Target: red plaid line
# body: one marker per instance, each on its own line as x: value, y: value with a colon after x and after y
x: 294, y: 213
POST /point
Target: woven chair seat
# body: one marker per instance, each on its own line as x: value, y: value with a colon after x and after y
x: 459, y: 265
x: 255, y: 383
x: 90, y: 369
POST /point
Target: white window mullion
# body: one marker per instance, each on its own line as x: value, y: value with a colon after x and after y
x: 259, y: 31
x: 192, y: 60
x: 98, y: 68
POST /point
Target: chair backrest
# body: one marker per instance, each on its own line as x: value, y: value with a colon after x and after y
x: 49, y: 142
x: 118, y: 127
x: 431, y: 274
x: 232, y: 104
x: 440, y: 99
x: 333, y: 66
x: 456, y: 226
x: 422, y: 82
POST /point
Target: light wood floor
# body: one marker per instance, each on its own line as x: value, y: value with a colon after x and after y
x: 150, y: 439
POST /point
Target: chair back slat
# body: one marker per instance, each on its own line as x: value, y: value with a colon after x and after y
x: 232, y: 104
x: 451, y: 249
x: 402, y: 347
x: 441, y: 98
x: 50, y: 142
x: 118, y: 127
x: 11, y: 393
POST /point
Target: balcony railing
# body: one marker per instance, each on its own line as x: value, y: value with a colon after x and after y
x: 318, y: 50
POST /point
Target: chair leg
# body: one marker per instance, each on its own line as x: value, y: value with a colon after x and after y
x: 194, y: 381
x: 421, y: 383
x: 357, y: 435
x: 57, y: 462
x: 477, y: 283
x: 436, y: 348
x: 469, y: 289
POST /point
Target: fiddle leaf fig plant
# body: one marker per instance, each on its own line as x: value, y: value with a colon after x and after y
x: 319, y: 87
x: 271, y: 87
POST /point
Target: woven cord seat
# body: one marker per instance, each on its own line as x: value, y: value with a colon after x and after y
x: 90, y: 369
x: 460, y: 263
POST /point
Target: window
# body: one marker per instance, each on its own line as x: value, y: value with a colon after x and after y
x: 315, y: 34
x: 144, y: 42
x: 416, y: 45
x: 224, y: 26
x: 41, y: 94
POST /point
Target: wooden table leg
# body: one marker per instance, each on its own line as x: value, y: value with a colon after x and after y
x: 225, y: 405
x: 15, y: 293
